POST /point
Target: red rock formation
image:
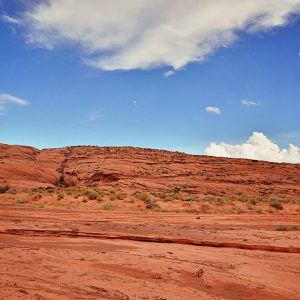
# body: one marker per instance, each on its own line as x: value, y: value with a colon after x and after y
x: 131, y: 169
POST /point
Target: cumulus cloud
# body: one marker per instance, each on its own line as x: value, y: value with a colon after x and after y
x: 249, y: 103
x: 6, y: 99
x: 213, y: 109
x: 143, y: 34
x: 259, y: 147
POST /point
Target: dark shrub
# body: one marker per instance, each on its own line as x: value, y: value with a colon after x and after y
x: 276, y: 205
x: 4, y: 189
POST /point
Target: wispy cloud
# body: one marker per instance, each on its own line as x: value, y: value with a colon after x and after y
x: 259, y: 147
x: 250, y: 102
x: 93, y: 116
x: 213, y: 109
x: 10, y: 20
x: 169, y: 73
x: 6, y: 99
x: 143, y: 34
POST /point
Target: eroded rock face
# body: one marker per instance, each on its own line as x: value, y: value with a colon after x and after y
x: 131, y: 169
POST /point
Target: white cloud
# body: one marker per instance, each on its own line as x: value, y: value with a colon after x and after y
x: 143, y: 34
x: 6, y: 99
x: 93, y: 116
x: 10, y: 20
x: 259, y: 147
x: 169, y: 73
x: 249, y: 103
x: 213, y: 109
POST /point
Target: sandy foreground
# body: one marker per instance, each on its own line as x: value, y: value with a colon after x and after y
x: 73, y: 254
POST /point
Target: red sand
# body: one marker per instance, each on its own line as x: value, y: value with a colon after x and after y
x: 39, y: 261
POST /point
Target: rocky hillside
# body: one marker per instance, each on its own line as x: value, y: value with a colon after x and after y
x: 137, y: 169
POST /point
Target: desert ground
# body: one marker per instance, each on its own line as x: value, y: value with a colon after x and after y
x: 75, y: 254
x: 129, y: 223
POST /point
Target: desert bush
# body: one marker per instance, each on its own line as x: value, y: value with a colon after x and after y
x: 150, y: 203
x: 4, y: 189
x: 174, y: 196
x: 12, y: 191
x: 220, y: 200
x: 168, y: 198
x: 253, y: 200
x: 140, y: 195
x: 50, y: 189
x: 71, y: 191
x: 120, y: 196
x: 208, y: 199
x: 42, y: 190
x: 60, y: 170
x: 190, y: 198
x: 92, y: 195
x: 277, y: 205
x: 22, y: 201
x: 160, y: 195
x: 136, y: 195
x: 61, y: 180
x: 176, y: 189
x: 287, y: 228
x: 160, y: 209
x: 110, y: 206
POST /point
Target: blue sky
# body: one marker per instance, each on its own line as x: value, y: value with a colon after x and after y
x: 70, y: 102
